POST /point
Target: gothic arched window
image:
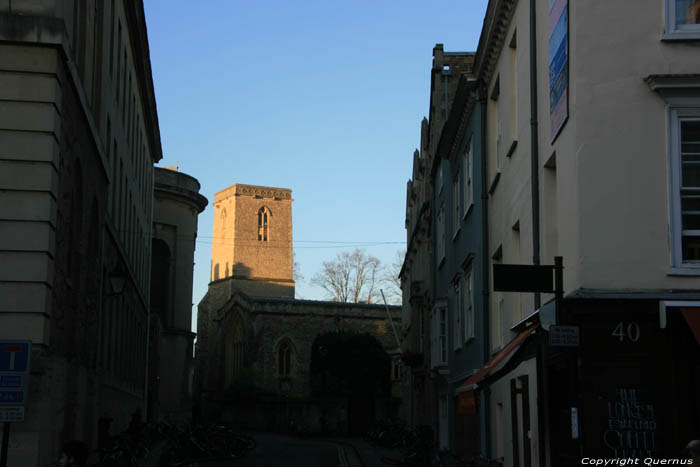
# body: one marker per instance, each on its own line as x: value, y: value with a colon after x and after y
x: 263, y: 224
x: 284, y: 360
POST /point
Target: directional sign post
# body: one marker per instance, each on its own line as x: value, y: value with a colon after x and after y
x: 532, y: 278
x: 14, y: 371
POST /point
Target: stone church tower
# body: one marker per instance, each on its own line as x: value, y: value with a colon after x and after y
x: 253, y: 240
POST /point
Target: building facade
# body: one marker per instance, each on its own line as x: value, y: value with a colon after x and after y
x: 589, y: 154
x: 424, y: 310
x: 461, y: 277
x: 79, y: 136
x: 599, y: 172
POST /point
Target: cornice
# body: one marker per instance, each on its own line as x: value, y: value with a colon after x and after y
x: 498, y: 16
x: 255, y: 191
x: 136, y: 21
x: 263, y: 191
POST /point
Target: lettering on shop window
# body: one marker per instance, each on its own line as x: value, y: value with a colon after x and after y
x: 626, y: 331
x: 631, y: 430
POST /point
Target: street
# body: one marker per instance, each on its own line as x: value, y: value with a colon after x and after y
x: 282, y: 451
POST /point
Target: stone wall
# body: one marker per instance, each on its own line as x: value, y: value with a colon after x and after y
x: 268, y: 322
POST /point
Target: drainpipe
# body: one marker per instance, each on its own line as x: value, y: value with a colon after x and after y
x: 534, y: 145
x: 485, y: 264
x: 148, y: 297
x: 541, y: 367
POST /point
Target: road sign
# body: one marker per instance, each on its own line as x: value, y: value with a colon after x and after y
x: 564, y: 336
x: 523, y: 278
x: 10, y: 381
x: 12, y: 413
x: 12, y: 396
x: 14, y: 356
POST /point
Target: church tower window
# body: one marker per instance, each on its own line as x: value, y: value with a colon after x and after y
x: 263, y: 224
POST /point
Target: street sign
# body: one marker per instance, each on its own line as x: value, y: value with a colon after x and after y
x: 14, y: 356
x: 10, y: 381
x: 12, y: 396
x: 523, y: 278
x: 564, y: 336
x: 12, y: 413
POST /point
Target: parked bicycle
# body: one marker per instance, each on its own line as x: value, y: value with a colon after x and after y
x: 418, y: 451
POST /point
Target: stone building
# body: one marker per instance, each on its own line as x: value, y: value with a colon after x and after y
x: 249, y: 320
x: 79, y: 136
x: 427, y: 381
x: 177, y: 206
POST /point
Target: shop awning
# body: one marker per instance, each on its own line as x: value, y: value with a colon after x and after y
x: 466, y: 399
x: 692, y: 317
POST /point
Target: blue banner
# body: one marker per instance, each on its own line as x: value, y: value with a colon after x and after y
x: 558, y: 63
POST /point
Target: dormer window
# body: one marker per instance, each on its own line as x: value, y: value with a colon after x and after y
x: 263, y: 224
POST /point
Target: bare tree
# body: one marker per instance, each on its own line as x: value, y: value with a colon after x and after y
x: 351, y: 277
x: 391, y: 280
x: 297, y: 276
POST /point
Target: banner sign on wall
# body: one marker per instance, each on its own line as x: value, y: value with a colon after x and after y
x: 558, y: 65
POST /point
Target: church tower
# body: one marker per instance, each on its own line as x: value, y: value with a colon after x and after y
x: 252, y: 245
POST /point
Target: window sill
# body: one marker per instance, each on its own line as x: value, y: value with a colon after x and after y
x: 441, y: 262
x: 684, y: 271
x: 468, y: 210
x: 511, y: 150
x: 454, y: 237
x: 468, y: 341
x: 681, y: 36
x: 494, y: 182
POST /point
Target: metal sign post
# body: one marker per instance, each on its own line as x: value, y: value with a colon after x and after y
x: 15, y: 356
x: 398, y: 342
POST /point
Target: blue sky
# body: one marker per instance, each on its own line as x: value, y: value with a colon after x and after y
x: 322, y: 97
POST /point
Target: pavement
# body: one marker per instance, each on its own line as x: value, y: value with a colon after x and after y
x: 279, y: 450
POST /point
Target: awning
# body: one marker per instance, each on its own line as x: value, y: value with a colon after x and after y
x: 692, y: 317
x: 466, y: 400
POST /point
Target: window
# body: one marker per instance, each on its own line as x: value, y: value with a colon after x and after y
x: 456, y: 208
x: 396, y: 369
x: 263, y: 224
x: 682, y: 19
x: 439, y: 330
x: 284, y: 360
x: 440, y: 179
x: 685, y: 185
x: 468, y: 190
x: 467, y: 308
x: 440, y: 229
x: 457, y: 327
x: 421, y: 330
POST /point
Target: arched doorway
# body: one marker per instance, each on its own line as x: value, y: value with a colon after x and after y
x: 355, y: 366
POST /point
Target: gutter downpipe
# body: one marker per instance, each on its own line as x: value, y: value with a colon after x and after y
x: 534, y: 148
x: 485, y: 265
x: 148, y: 296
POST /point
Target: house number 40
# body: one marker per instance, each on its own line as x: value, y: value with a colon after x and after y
x: 631, y: 331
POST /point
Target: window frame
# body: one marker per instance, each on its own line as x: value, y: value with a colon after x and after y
x: 456, y: 205
x: 440, y: 332
x: 440, y: 230
x: 468, y: 180
x: 467, y: 308
x: 677, y: 112
x: 264, y: 216
x: 673, y: 31
x: 457, y: 327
